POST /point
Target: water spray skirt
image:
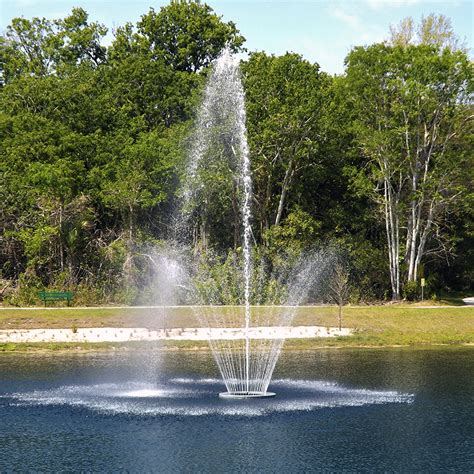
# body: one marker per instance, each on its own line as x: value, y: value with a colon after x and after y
x: 245, y: 395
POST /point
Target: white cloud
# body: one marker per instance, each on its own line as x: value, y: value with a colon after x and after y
x: 358, y: 31
x: 350, y: 20
x: 380, y: 4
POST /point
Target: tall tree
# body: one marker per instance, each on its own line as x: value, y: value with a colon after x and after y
x: 412, y: 107
x: 435, y: 30
x: 41, y: 46
x: 283, y: 95
x: 186, y: 36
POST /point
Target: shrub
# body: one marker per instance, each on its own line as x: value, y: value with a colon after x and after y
x: 26, y: 291
x: 411, y: 291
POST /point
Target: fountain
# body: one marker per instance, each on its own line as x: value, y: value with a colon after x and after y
x: 246, y: 361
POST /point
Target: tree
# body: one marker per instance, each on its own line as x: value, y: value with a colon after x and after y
x: 403, y: 33
x: 339, y: 288
x: 41, y: 47
x: 43, y: 204
x: 154, y: 65
x: 151, y: 91
x: 137, y: 180
x: 411, y: 106
x: 283, y: 95
x: 186, y: 36
x: 435, y: 30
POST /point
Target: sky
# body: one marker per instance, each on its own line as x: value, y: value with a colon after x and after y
x: 322, y: 31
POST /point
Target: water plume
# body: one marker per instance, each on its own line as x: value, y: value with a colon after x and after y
x: 219, y: 165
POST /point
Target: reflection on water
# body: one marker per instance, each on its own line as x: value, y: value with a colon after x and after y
x: 394, y: 410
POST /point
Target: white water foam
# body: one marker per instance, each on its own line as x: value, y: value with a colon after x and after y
x: 176, y: 399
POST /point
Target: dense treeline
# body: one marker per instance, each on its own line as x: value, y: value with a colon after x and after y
x: 377, y: 162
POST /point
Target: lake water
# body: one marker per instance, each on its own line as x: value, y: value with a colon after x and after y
x: 364, y: 410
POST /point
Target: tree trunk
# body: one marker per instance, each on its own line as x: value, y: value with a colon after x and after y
x: 391, y: 227
x: 284, y: 189
x: 128, y: 265
x: 413, y: 221
x: 203, y: 234
x: 423, y: 238
x: 236, y: 213
x: 130, y: 225
x: 412, y: 231
x: 61, y: 247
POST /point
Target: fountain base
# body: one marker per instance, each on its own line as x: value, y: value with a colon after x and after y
x: 245, y: 395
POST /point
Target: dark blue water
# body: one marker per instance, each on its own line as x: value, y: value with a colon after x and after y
x: 385, y: 410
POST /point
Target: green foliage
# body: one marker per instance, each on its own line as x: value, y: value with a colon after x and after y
x: 219, y: 280
x: 26, y: 293
x: 410, y: 112
x: 188, y: 36
x: 298, y: 231
x: 40, y: 46
x: 282, y: 96
x: 93, y: 144
x: 411, y: 291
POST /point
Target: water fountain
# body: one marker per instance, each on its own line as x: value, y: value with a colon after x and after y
x: 134, y: 421
x: 246, y: 361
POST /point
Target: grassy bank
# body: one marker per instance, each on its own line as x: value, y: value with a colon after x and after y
x: 395, y: 325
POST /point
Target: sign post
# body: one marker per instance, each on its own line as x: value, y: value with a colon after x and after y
x: 422, y: 287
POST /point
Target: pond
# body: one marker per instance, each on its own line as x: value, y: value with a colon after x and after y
x: 397, y: 410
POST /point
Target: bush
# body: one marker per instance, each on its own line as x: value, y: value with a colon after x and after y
x: 411, y: 291
x: 26, y: 291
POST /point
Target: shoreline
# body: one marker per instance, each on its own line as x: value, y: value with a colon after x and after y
x: 83, y: 348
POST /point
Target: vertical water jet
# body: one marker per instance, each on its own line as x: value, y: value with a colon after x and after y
x: 220, y: 152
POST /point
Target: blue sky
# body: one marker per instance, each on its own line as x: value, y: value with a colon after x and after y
x: 322, y: 31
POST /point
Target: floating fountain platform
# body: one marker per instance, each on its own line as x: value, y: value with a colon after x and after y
x: 245, y: 395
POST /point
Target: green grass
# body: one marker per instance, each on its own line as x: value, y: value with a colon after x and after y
x: 53, y: 346
x: 12, y: 318
x: 397, y: 325
x: 102, y: 346
x: 389, y: 325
